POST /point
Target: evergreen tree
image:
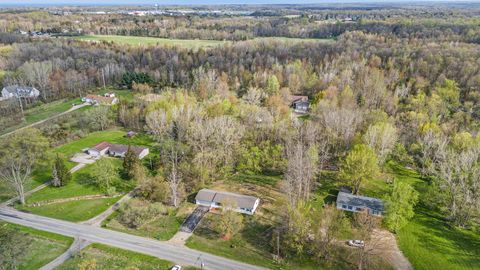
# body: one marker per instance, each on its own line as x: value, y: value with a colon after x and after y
x: 61, y: 174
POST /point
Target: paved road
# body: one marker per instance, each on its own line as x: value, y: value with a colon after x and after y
x: 73, y: 108
x: 163, y: 250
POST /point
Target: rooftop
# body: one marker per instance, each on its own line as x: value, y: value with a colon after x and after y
x: 243, y: 201
x: 101, y: 99
x: 359, y: 201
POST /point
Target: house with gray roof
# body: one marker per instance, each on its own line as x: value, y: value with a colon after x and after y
x: 116, y: 150
x: 355, y: 203
x: 16, y: 91
x: 214, y: 199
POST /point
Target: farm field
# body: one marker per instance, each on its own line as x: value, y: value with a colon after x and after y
x: 186, y: 43
x: 150, y: 41
x: 44, y: 247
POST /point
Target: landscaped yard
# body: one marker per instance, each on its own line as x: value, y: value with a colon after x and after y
x: 80, y: 185
x: 112, y: 136
x: 44, y: 248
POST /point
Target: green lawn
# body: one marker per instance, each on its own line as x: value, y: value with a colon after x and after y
x: 45, y: 246
x: 113, y: 136
x: 107, y: 257
x: 162, y: 228
x: 429, y: 242
x: 80, y: 185
x: 73, y: 210
x: 151, y: 41
x: 41, y: 112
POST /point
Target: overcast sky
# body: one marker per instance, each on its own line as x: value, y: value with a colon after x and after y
x: 186, y: 2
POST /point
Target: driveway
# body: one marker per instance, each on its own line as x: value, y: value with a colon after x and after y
x: 192, y: 221
x: 163, y: 250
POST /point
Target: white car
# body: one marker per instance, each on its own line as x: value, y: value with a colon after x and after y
x: 356, y: 243
x: 176, y: 267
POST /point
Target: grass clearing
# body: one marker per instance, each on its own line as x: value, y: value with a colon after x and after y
x: 75, y: 211
x: 108, y: 257
x: 428, y: 241
x: 45, y: 246
x: 153, y: 41
x: 185, y: 43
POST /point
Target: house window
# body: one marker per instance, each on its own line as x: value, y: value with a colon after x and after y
x: 350, y: 207
x: 344, y: 206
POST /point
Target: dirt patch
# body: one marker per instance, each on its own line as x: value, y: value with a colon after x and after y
x: 390, y: 251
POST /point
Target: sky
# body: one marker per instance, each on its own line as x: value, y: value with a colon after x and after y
x: 186, y: 2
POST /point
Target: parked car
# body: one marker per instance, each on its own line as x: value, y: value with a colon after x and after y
x: 356, y: 243
x: 176, y: 267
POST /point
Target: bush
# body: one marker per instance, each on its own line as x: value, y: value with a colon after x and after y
x: 135, y: 213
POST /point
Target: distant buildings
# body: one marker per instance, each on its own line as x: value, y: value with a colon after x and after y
x: 116, y: 150
x: 214, y: 199
x: 16, y: 91
x: 107, y: 99
x: 354, y: 203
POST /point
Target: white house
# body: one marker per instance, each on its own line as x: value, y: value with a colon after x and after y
x: 355, y: 203
x: 214, y: 199
x: 16, y: 91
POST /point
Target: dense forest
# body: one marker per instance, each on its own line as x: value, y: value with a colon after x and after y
x: 392, y: 85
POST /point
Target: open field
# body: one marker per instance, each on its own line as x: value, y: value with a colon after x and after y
x: 107, y: 257
x: 44, y: 248
x: 150, y: 41
x: 186, y: 43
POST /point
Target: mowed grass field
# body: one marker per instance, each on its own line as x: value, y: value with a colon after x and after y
x: 107, y: 257
x: 185, y: 43
x: 44, y: 247
x: 153, y: 41
x: 429, y: 242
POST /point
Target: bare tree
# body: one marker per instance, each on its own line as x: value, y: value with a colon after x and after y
x: 173, y: 154
x: 20, y: 153
x: 381, y: 137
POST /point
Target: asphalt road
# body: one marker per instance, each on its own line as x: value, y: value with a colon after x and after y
x: 177, y: 254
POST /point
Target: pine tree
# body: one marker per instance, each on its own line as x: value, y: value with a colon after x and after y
x: 129, y: 162
x: 61, y: 174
